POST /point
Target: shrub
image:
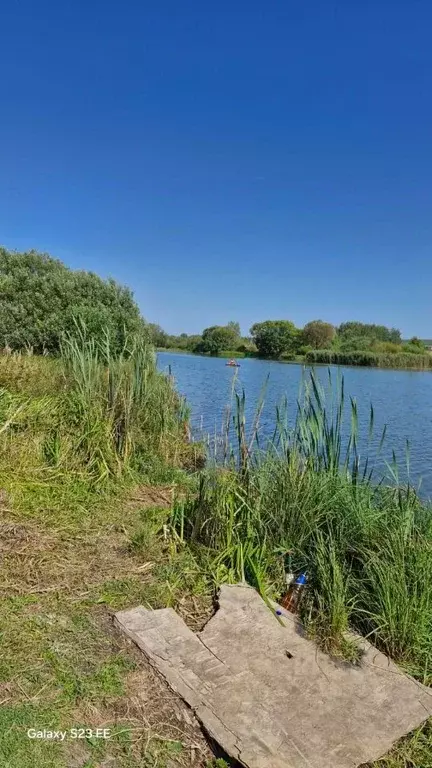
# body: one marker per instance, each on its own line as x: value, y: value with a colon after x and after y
x: 42, y: 299
x: 388, y: 347
x: 274, y: 337
x: 354, y: 329
x: 317, y: 334
x: 217, y: 338
x: 413, y: 349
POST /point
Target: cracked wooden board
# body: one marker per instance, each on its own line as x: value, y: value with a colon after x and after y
x: 268, y: 696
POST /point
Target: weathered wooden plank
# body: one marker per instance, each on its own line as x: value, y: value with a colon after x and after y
x: 268, y: 696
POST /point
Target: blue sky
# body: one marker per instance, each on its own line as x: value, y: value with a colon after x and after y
x: 230, y: 160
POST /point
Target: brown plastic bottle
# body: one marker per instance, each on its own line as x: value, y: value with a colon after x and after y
x: 291, y: 599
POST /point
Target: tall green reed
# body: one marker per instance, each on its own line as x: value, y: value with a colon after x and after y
x: 366, y: 546
x: 122, y: 406
x: 370, y: 359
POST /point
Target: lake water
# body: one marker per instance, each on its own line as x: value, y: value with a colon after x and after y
x: 402, y: 400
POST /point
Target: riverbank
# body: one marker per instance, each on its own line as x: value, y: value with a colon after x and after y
x: 407, y: 362
x: 102, y: 509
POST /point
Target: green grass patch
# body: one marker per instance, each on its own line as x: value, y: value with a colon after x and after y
x: 80, y: 541
x: 17, y: 750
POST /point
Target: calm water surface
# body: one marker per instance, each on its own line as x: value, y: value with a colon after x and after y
x: 401, y: 399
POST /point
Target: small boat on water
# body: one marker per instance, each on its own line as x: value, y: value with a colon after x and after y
x: 233, y: 363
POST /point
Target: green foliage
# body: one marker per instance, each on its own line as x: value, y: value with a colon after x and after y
x: 303, y: 349
x: 348, y: 344
x: 16, y: 749
x: 415, y: 347
x: 332, y: 594
x: 124, y: 408
x: 372, y: 359
x: 317, y: 334
x: 274, y: 337
x: 367, y: 549
x: 232, y: 353
x: 389, y: 348
x: 355, y: 330
x: 109, y: 414
x: 247, y: 347
x: 414, y: 751
x: 41, y: 299
x: 412, y: 349
x: 217, y: 338
x: 353, y: 344
x: 183, y: 342
x: 416, y: 342
x: 156, y: 335
x: 234, y: 326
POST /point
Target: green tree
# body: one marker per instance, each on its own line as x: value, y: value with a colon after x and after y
x: 416, y: 342
x: 235, y: 327
x: 157, y: 335
x: 183, y: 342
x: 217, y: 338
x: 41, y: 298
x: 354, y: 343
x: 318, y: 334
x: 191, y: 342
x: 274, y: 337
x: 354, y: 329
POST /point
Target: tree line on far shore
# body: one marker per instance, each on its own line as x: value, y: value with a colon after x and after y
x: 281, y: 339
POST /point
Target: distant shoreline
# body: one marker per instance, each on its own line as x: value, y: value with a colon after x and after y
x: 301, y: 361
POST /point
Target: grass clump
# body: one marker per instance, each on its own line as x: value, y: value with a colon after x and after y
x: 100, y: 416
x: 390, y: 359
x: 367, y: 548
x: 125, y: 409
x: 412, y: 752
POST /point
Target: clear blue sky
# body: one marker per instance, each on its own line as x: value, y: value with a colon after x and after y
x: 229, y: 160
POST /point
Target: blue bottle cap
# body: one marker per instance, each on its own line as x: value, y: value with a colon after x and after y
x: 279, y: 613
x: 302, y: 579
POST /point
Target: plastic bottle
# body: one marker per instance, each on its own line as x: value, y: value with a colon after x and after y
x: 291, y: 599
x: 289, y: 576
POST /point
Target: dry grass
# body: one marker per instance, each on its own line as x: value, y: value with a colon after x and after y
x: 63, y: 662
x: 32, y: 375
